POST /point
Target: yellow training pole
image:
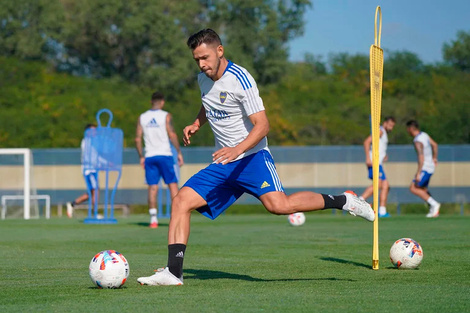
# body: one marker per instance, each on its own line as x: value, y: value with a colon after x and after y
x: 376, y: 78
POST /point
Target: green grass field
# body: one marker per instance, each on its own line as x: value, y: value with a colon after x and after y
x: 239, y: 263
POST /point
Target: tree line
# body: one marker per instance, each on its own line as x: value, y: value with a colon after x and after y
x: 62, y: 61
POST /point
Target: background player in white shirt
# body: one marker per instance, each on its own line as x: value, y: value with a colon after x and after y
x: 384, y: 186
x: 91, y: 180
x: 241, y: 163
x: 156, y: 126
x: 426, y: 149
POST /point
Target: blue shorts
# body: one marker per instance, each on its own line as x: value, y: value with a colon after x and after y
x: 381, y: 173
x: 160, y: 166
x: 424, y: 181
x: 221, y: 185
x: 91, y: 180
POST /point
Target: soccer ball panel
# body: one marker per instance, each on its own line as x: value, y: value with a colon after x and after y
x: 406, y: 253
x: 109, y: 269
x: 296, y: 219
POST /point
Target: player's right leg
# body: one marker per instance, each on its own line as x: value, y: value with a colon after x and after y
x: 152, y: 203
x: 186, y: 201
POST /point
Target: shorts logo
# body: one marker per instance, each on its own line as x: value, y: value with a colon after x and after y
x: 265, y: 184
x: 223, y: 96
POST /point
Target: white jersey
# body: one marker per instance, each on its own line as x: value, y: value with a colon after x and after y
x: 229, y: 102
x: 428, y: 165
x: 383, y: 145
x: 156, y: 139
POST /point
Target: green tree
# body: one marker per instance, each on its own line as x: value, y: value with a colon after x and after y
x: 457, y: 53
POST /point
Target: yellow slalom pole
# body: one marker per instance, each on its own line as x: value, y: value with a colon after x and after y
x: 376, y: 78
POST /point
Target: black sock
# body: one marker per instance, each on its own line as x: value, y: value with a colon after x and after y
x: 175, y: 258
x: 334, y: 202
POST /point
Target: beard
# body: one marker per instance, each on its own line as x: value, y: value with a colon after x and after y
x: 215, y: 70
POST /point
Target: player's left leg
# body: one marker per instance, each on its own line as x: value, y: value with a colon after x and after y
x: 152, y: 203
x: 304, y: 201
x: 384, y: 187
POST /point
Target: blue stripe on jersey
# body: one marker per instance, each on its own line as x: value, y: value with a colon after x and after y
x: 244, y: 85
x: 239, y: 70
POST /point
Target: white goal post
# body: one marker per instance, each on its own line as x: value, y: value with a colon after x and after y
x: 26, y: 179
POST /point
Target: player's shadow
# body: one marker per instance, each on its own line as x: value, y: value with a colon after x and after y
x: 209, y: 274
x: 148, y: 224
x: 342, y: 261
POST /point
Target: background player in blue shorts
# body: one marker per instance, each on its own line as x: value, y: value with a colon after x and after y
x: 91, y: 180
x: 426, y: 149
x: 156, y: 126
x: 242, y: 161
x: 384, y: 186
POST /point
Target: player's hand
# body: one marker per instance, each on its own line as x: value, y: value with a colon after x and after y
x: 180, y: 159
x: 225, y: 155
x: 435, y: 161
x: 142, y: 162
x: 368, y: 162
x: 188, y: 131
x: 417, y: 178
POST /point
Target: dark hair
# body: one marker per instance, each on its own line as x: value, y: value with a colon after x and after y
x: 207, y: 36
x: 389, y: 118
x: 90, y: 125
x: 412, y: 123
x: 157, y: 96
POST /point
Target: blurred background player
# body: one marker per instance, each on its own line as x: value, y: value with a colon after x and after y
x: 156, y: 126
x: 384, y: 186
x: 91, y: 180
x: 426, y: 149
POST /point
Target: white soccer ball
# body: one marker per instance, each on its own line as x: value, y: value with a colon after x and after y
x: 296, y: 219
x: 109, y: 269
x: 406, y: 253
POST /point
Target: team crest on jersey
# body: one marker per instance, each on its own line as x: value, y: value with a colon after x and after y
x: 223, y: 96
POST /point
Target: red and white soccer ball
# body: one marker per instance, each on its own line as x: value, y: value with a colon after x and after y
x: 109, y: 269
x: 406, y: 253
x: 296, y: 219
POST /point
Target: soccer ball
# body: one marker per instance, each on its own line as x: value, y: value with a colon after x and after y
x: 406, y: 253
x: 109, y: 269
x: 296, y: 219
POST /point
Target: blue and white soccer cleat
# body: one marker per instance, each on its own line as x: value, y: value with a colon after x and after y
x: 358, y: 207
x: 162, y: 277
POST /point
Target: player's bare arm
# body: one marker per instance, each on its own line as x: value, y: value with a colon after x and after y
x: 434, y: 150
x: 138, y: 142
x: 420, y: 151
x: 259, y: 131
x: 174, y: 138
x: 192, y: 129
x: 367, y: 143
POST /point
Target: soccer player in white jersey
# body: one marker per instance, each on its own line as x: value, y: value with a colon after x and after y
x: 91, y: 180
x: 384, y: 186
x: 156, y: 126
x: 426, y: 149
x: 242, y: 161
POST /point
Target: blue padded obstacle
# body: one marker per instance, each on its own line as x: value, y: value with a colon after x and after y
x: 103, y: 153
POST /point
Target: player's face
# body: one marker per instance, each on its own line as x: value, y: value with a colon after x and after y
x: 208, y: 59
x: 388, y: 125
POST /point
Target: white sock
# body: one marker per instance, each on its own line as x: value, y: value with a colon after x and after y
x: 153, y: 215
x: 382, y: 210
x: 431, y: 201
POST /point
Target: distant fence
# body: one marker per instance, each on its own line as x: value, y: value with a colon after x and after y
x: 325, y: 169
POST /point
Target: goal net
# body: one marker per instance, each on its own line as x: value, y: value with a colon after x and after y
x: 18, y: 194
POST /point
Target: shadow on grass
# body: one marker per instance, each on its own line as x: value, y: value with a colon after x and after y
x: 209, y: 274
x: 346, y: 262
x: 148, y: 224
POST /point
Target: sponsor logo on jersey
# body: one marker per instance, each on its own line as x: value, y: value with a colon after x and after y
x: 217, y: 115
x: 152, y: 123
